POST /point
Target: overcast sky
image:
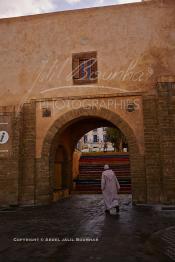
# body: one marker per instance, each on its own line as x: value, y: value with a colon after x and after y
x: 10, y: 8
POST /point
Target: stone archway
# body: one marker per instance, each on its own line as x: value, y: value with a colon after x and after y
x: 44, y: 176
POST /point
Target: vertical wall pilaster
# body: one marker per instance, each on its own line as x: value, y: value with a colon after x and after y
x: 152, y: 150
x: 28, y: 148
x: 166, y: 118
x: 9, y: 157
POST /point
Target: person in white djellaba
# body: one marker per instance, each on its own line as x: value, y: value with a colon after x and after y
x: 110, y: 187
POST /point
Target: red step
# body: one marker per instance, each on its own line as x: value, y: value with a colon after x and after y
x: 91, y: 168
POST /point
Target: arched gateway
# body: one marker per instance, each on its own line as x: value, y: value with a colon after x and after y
x: 75, y: 117
x: 94, y: 67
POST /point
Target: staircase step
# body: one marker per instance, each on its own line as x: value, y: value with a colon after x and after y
x: 92, y: 166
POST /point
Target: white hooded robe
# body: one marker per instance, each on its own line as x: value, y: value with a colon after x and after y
x: 110, y: 187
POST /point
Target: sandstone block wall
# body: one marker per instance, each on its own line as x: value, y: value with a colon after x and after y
x: 27, y: 154
x: 166, y: 119
x: 10, y: 169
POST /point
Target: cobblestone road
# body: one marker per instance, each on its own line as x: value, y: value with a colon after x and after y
x: 137, y: 234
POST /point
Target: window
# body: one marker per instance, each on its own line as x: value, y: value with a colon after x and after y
x: 95, y: 138
x: 84, y: 68
x: 85, y: 139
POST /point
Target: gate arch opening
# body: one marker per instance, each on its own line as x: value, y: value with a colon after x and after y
x: 65, y: 133
x: 101, y: 146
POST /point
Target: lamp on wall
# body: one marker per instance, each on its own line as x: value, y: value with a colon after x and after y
x: 46, y: 112
x: 130, y: 107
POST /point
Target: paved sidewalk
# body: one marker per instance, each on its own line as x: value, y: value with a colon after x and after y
x: 80, y: 231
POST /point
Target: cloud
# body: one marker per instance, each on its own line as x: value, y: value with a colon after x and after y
x: 11, y: 8
x: 72, y: 1
x: 24, y: 7
x: 100, y: 2
x: 127, y: 1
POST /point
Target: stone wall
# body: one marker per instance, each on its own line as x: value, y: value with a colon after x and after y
x: 166, y: 119
x: 75, y: 169
x: 152, y: 149
x: 10, y: 163
x: 159, y: 135
x: 39, y: 60
x: 27, y: 153
x: 26, y: 180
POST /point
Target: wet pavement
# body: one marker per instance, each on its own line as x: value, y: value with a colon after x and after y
x: 77, y: 229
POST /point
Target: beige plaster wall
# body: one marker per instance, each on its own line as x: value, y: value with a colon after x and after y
x: 115, y: 104
x: 134, y: 44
